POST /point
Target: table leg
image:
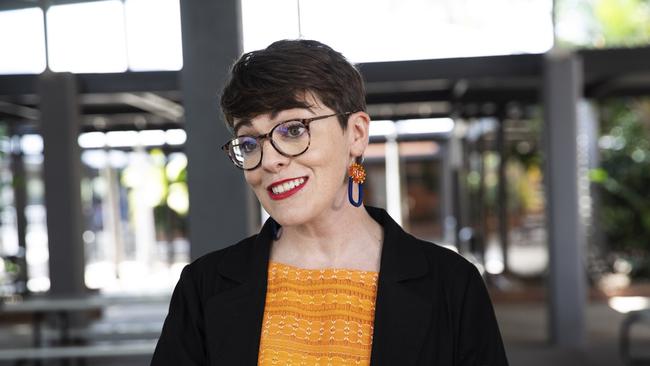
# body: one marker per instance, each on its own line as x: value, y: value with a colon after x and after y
x: 37, y: 333
x: 37, y: 329
x: 64, y: 334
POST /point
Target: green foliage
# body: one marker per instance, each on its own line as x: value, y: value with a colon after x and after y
x: 603, y: 23
x: 623, y: 22
x: 624, y: 175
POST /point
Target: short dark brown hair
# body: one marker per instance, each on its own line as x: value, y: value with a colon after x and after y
x: 280, y: 77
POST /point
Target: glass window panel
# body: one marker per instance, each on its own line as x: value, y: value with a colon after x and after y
x: 386, y: 30
x: 22, y: 41
x: 266, y: 21
x: 153, y: 29
x: 87, y: 37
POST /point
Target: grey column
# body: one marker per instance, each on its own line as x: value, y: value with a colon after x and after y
x: 60, y: 122
x: 502, y: 193
x: 567, y: 286
x: 449, y: 222
x: 589, y: 158
x: 219, y: 206
x: 20, y: 202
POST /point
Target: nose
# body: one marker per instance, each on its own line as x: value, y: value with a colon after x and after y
x: 272, y: 160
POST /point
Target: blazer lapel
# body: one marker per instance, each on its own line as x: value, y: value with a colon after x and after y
x: 234, y: 316
x: 402, y: 312
x: 403, y: 306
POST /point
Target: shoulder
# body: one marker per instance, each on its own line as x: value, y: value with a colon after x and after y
x: 442, y: 260
x: 208, y: 273
x: 210, y: 261
x: 452, y: 271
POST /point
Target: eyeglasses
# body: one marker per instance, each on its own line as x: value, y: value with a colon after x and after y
x: 289, y: 138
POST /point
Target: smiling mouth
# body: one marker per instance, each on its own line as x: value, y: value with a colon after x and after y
x: 286, y: 188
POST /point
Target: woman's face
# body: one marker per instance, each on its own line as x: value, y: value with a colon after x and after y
x: 299, y: 190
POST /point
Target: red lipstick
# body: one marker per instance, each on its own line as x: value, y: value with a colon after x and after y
x: 286, y: 187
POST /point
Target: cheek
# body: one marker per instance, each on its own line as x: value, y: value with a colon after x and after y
x: 332, y: 150
x: 252, y: 178
x: 331, y: 167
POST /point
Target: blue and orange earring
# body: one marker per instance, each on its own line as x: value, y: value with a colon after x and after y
x: 356, y: 174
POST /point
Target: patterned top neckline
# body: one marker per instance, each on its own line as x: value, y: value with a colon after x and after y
x: 329, y: 269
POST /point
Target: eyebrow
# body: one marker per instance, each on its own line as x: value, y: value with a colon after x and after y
x: 245, y: 122
x: 242, y: 123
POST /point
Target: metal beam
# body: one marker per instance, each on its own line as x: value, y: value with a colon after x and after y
x: 604, y: 64
x: 154, y: 104
x: 141, y: 81
x: 18, y: 84
x: 20, y: 111
x: 23, y: 4
x: 608, y: 72
x: 453, y: 68
x: 18, y: 4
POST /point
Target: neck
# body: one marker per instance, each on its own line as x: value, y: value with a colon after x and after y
x: 344, y: 237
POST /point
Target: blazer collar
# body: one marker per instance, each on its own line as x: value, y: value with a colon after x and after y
x: 248, y: 264
x: 233, y: 317
x: 400, y: 258
x: 402, y: 308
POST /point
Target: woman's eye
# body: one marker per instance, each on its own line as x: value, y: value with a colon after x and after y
x: 292, y: 130
x: 248, y: 145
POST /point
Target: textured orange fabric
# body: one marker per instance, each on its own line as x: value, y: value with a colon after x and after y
x: 318, y: 317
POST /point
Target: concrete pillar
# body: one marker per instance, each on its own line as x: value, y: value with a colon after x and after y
x: 448, y: 192
x: 567, y: 286
x: 20, y: 202
x: 220, y: 212
x: 60, y: 123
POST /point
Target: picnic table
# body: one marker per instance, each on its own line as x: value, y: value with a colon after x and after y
x: 64, y: 308
x: 633, y: 317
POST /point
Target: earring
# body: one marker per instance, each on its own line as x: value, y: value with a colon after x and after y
x: 356, y: 174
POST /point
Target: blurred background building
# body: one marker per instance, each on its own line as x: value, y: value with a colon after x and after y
x: 516, y: 132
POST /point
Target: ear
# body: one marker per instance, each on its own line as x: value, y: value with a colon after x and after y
x: 358, y: 133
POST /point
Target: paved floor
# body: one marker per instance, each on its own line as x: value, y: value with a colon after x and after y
x: 524, y: 330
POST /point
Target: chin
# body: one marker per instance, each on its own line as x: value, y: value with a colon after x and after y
x: 290, y: 216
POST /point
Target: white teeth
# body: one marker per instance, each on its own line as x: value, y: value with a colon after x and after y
x: 281, y: 188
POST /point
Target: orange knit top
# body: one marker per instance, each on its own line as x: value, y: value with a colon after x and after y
x: 317, y: 317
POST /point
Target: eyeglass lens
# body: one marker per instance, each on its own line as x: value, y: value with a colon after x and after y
x: 289, y: 138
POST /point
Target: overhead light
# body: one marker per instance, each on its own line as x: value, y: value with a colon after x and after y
x: 382, y: 128
x: 31, y: 144
x: 176, y: 136
x: 92, y: 140
x: 425, y: 126
x: 626, y: 304
x: 122, y: 138
x: 152, y: 137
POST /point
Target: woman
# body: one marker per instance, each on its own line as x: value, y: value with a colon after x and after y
x: 327, y: 281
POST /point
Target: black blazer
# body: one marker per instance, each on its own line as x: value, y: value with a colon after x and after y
x: 432, y: 307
